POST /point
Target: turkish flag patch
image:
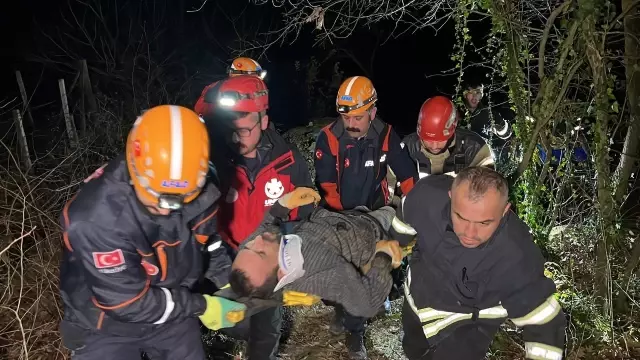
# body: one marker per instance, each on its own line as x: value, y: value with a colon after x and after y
x: 105, y: 260
x: 318, y: 154
x: 149, y: 268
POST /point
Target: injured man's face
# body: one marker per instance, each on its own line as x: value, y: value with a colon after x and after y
x: 254, y: 272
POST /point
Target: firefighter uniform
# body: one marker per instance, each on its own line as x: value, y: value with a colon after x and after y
x: 456, y: 298
x: 126, y: 275
x: 465, y: 149
x: 352, y: 172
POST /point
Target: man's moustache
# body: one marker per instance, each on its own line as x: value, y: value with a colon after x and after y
x: 351, y: 129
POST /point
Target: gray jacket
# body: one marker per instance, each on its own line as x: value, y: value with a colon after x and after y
x: 335, y: 245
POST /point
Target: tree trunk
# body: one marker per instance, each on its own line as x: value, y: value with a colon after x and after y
x: 632, y: 69
x: 605, y: 204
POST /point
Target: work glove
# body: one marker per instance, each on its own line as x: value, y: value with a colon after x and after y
x: 300, y: 196
x: 407, y: 250
x: 391, y: 248
x: 295, y: 298
x: 221, y: 313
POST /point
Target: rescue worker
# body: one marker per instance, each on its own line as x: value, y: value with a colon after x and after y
x: 352, y: 153
x: 351, y: 158
x: 343, y: 257
x: 133, y: 241
x: 438, y: 146
x: 474, y: 266
x: 259, y: 166
x: 490, y: 123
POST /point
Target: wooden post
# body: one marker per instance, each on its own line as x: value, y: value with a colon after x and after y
x: 71, y: 127
x: 25, y: 100
x: 22, y: 140
x: 89, y: 100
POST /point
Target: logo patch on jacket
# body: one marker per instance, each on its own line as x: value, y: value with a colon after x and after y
x: 150, y: 268
x: 318, y: 154
x: 110, y: 261
x: 273, y: 188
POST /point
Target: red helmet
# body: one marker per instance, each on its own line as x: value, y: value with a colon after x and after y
x: 242, y: 93
x: 437, y: 120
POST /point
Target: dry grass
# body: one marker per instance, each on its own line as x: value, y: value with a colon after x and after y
x: 29, y: 302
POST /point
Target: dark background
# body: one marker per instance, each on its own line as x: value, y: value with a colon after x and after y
x: 405, y: 71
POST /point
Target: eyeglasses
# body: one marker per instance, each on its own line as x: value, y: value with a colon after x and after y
x: 245, y: 132
x: 345, y: 109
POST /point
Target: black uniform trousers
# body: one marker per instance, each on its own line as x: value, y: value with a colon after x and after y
x: 175, y: 340
x: 262, y: 332
x: 467, y: 342
x: 353, y: 324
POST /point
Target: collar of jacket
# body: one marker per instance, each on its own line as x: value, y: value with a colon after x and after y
x: 375, y: 130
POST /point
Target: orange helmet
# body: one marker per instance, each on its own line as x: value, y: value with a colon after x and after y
x: 168, y: 156
x: 246, y: 66
x: 355, y: 96
x: 437, y: 120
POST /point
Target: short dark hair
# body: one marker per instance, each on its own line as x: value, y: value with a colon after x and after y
x: 240, y: 284
x: 481, y: 179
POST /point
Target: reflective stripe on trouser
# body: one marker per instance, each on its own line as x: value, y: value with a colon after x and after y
x: 436, y: 320
x: 538, y: 351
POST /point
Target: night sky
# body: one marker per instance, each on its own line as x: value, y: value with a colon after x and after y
x: 200, y: 43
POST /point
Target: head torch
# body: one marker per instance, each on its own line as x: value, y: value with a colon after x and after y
x: 345, y: 109
x: 231, y: 98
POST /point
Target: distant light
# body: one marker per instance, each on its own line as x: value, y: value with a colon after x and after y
x: 227, y: 101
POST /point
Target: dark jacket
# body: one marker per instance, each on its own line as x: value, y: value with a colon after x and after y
x: 352, y: 172
x: 506, y: 273
x: 125, y: 271
x: 497, y: 132
x: 465, y: 149
x: 335, y: 246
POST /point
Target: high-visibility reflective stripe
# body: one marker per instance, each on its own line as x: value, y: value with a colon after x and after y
x: 348, y: 90
x: 445, y: 318
x: 402, y: 227
x: 215, y: 246
x: 503, y: 131
x: 168, y: 307
x: 540, y: 315
x: 422, y: 174
x: 538, y: 351
x: 176, y: 144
